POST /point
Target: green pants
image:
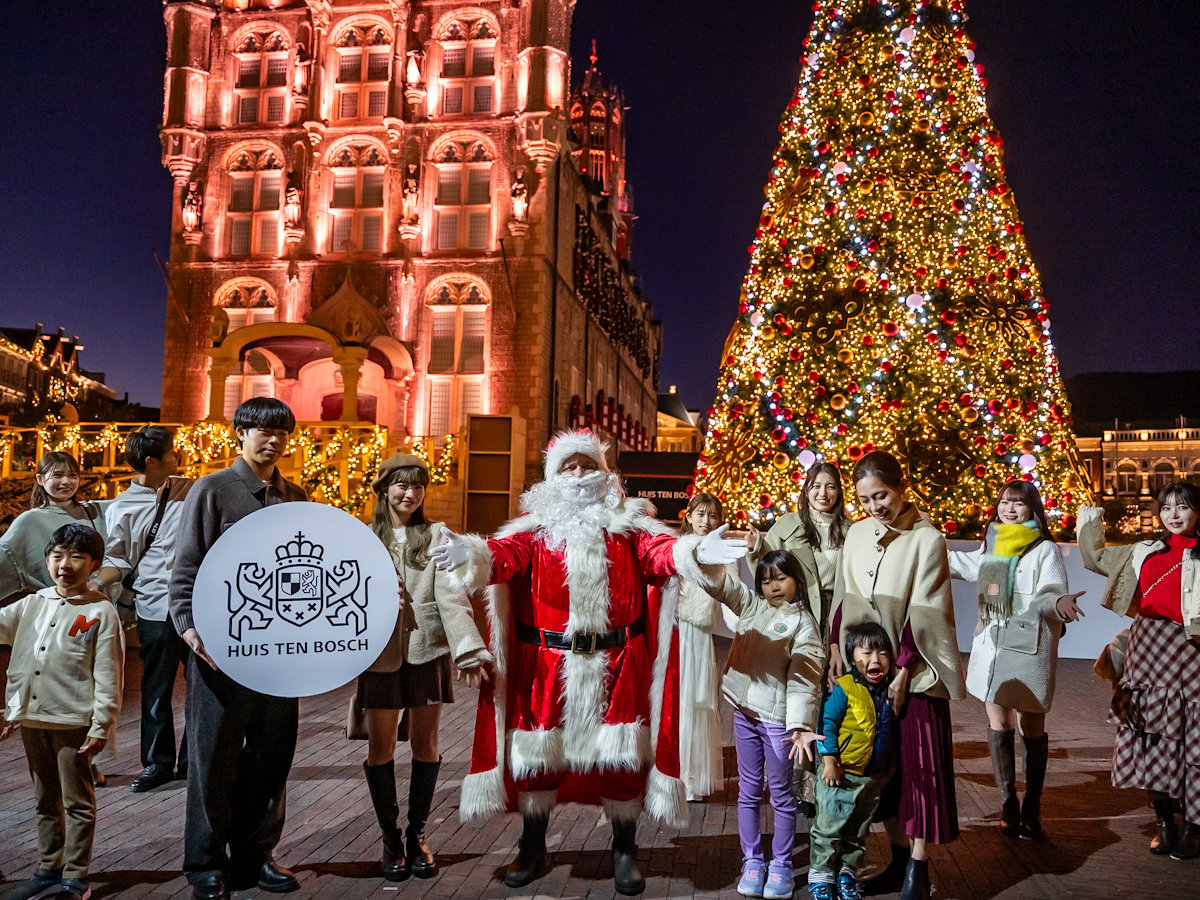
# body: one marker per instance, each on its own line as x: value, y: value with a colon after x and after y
x: 839, y: 833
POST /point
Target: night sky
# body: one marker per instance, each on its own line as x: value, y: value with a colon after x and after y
x: 1095, y: 100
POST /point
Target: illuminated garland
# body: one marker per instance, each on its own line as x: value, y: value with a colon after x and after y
x: 439, y: 472
x: 891, y: 300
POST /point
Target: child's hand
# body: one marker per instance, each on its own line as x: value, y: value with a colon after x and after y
x: 7, y: 728
x: 91, y: 747
x: 898, y: 689
x: 831, y: 771
x: 802, y: 742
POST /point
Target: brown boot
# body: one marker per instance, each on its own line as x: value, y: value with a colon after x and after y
x: 1002, y: 746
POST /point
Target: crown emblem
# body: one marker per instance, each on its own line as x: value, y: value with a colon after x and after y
x: 299, y: 552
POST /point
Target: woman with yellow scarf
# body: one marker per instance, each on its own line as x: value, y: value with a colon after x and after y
x: 1023, y: 603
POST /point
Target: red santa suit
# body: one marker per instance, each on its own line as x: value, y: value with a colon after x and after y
x: 559, y: 725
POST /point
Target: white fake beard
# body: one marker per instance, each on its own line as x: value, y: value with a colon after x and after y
x: 571, y: 508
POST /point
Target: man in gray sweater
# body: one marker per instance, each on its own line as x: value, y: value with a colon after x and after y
x: 240, y: 742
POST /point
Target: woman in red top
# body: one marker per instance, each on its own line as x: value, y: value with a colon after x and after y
x: 1156, y: 705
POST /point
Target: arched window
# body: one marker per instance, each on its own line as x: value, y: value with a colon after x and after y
x: 356, y: 205
x: 1194, y: 475
x: 462, y: 205
x: 1128, y: 481
x: 457, y: 349
x: 246, y: 303
x: 468, y: 75
x: 596, y: 143
x: 260, y: 89
x: 252, y: 214
x: 1164, y: 474
x: 364, y: 55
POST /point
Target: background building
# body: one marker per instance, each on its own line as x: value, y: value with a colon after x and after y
x: 40, y: 376
x: 379, y: 215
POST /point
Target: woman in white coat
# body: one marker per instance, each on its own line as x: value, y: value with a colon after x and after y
x: 1022, y: 607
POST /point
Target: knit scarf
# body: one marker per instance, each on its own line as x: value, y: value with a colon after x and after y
x: 1005, y: 545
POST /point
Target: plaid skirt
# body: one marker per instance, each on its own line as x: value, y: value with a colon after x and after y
x: 1156, y: 709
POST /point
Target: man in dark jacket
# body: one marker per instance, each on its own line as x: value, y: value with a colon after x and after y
x: 240, y: 742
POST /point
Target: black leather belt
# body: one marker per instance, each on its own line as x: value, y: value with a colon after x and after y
x: 580, y: 642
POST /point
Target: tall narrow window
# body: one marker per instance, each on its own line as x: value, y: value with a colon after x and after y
x: 464, y: 196
x: 468, y: 75
x: 597, y: 141
x: 260, y: 89
x: 363, y: 71
x: 356, y: 204
x: 252, y: 214
x: 457, y: 338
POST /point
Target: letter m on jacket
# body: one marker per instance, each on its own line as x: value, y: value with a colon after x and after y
x: 83, y: 625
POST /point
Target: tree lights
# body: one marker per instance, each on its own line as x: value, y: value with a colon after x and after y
x: 891, y: 301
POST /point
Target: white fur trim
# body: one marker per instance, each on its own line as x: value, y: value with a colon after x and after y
x: 566, y: 444
x: 536, y: 803
x: 683, y: 554
x: 534, y: 752
x: 476, y: 572
x: 665, y: 802
x: 622, y: 810
x: 666, y: 799
x: 483, y: 795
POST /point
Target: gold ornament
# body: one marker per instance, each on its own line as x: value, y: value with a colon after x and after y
x: 1026, y: 446
x: 838, y: 401
x: 969, y: 413
x: 807, y: 260
x: 781, y: 460
x: 866, y: 186
x: 845, y: 355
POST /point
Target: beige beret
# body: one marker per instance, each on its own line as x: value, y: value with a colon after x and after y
x: 394, y: 462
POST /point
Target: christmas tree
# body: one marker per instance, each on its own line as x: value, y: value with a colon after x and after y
x: 891, y: 301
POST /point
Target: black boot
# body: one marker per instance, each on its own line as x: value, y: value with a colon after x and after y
x: 381, y: 782
x: 891, y: 878
x: 1002, y: 745
x: 421, y: 785
x: 916, y: 881
x: 1037, y: 752
x: 531, y: 851
x: 626, y: 875
x: 1164, y: 841
x: 1188, y: 845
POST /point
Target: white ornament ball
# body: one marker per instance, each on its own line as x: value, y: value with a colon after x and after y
x: 907, y: 35
x: 914, y: 301
x: 756, y: 319
x: 806, y: 458
x: 1027, y: 461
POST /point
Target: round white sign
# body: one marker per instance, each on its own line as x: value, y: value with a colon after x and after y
x: 296, y: 599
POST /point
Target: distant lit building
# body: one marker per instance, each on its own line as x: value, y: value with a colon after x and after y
x: 40, y: 376
x: 398, y: 212
x: 678, y: 429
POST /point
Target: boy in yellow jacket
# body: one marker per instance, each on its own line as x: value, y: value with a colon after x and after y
x: 859, y: 755
x: 62, y: 636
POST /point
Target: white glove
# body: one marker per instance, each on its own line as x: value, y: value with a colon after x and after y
x: 451, y: 554
x: 713, y: 551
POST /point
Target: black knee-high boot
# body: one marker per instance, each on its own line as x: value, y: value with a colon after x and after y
x: 531, y: 851
x: 421, y: 785
x: 627, y: 877
x: 1164, y: 811
x: 1002, y: 745
x: 1037, y: 752
x: 381, y: 782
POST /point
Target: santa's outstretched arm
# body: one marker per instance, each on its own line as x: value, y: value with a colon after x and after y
x: 479, y: 561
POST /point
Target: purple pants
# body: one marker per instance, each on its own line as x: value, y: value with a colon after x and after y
x: 760, y: 745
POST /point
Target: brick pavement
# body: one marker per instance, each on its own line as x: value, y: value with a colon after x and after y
x: 1097, y: 846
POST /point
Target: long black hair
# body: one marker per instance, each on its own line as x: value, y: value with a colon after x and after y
x: 1189, y: 495
x: 837, y: 527
x: 786, y: 564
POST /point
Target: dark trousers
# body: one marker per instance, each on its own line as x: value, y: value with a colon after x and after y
x: 162, y: 651
x: 240, y: 749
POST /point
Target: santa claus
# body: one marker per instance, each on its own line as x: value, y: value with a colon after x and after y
x: 584, y: 703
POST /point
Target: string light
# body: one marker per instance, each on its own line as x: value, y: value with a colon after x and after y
x: 891, y: 301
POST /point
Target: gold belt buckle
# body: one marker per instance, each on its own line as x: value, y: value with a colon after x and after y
x: 575, y: 648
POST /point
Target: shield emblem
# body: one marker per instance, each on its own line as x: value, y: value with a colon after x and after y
x: 299, y: 593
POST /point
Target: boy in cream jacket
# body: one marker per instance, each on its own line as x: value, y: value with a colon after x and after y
x: 64, y: 692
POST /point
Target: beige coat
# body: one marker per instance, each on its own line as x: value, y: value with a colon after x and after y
x: 435, y: 617
x: 1122, y: 564
x: 788, y: 534
x: 771, y: 642
x: 899, y: 574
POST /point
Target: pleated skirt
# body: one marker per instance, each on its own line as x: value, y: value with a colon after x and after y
x: 921, y: 793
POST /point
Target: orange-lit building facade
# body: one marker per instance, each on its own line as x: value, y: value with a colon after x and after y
x: 398, y: 212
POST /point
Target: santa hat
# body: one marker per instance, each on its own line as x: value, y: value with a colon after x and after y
x: 566, y: 444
